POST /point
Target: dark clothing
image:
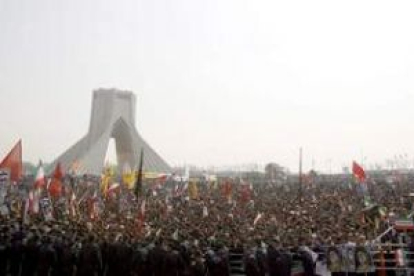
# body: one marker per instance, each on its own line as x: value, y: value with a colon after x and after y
x: 4, y: 257
x: 118, y: 259
x: 16, y: 256
x: 89, y: 261
x: 279, y: 262
x: 66, y: 260
x: 308, y: 264
x: 252, y: 267
x: 157, y: 261
x: 30, y: 260
x: 139, y: 262
x: 47, y: 260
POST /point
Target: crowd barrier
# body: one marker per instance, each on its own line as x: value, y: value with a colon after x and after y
x: 371, y: 258
x: 378, y: 258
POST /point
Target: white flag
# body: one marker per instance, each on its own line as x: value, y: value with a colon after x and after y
x: 205, y: 212
x: 258, y: 217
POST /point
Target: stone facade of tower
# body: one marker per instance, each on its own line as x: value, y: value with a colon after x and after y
x: 113, y: 116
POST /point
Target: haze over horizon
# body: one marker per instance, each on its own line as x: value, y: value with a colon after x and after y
x: 217, y: 82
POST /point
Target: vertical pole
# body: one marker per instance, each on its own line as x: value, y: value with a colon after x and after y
x: 300, y: 174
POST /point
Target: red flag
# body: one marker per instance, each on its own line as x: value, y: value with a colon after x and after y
x: 246, y: 193
x: 227, y: 189
x: 55, y: 187
x: 358, y: 171
x: 13, y: 162
x: 58, y: 173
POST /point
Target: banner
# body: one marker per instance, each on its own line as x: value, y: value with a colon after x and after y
x: 363, y: 260
x: 335, y: 260
x: 348, y: 253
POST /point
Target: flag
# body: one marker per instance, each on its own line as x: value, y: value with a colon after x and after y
x: 193, y: 190
x: 142, y: 209
x: 258, y: 217
x: 40, y: 177
x: 72, y: 204
x: 358, y: 171
x: 13, y: 162
x: 58, y: 172
x: 55, y: 186
x: 245, y: 192
x: 112, y: 189
x: 106, y: 180
x: 141, y: 215
x: 92, y: 208
x: 34, y: 202
x: 227, y: 190
x: 75, y: 166
x: 175, y: 235
x: 138, y: 182
x: 128, y: 177
x: 205, y: 212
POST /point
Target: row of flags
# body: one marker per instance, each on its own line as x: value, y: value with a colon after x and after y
x: 46, y: 191
x: 14, y: 163
x: 12, y: 166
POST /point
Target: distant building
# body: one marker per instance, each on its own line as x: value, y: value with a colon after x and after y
x: 275, y: 173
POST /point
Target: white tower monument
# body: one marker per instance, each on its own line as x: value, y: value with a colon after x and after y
x: 113, y: 116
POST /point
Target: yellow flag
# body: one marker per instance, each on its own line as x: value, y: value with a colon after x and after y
x: 106, y: 180
x: 193, y: 190
x: 129, y: 180
x: 128, y: 176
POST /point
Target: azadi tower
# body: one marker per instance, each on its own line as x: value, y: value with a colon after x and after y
x: 113, y: 116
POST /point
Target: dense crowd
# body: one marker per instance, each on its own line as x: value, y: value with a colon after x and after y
x: 162, y: 232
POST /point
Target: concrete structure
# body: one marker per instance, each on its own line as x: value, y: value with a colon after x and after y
x: 113, y: 116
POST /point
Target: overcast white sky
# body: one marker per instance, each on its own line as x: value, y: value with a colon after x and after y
x: 218, y: 82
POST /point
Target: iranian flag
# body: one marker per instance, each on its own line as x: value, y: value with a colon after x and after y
x: 40, y: 177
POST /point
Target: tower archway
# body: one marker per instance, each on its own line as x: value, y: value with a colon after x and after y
x: 112, y: 116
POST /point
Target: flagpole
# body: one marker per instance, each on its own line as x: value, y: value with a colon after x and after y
x: 300, y: 173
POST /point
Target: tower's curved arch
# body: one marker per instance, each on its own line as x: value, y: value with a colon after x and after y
x: 112, y: 116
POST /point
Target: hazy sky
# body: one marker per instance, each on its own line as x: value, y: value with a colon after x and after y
x: 218, y: 82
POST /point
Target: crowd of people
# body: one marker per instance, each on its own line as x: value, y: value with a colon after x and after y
x: 190, y: 228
